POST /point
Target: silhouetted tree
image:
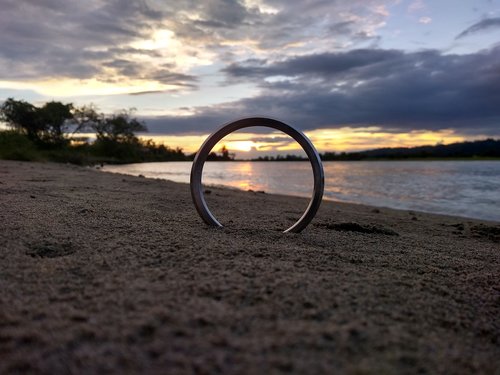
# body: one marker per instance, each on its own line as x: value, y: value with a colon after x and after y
x: 225, y: 155
x: 23, y: 117
x: 46, y: 124
x: 224, y: 152
x: 120, y: 127
x: 56, y: 119
x: 43, y: 134
x: 87, y: 118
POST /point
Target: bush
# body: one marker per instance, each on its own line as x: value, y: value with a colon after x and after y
x: 123, y: 152
x: 16, y: 146
x: 67, y: 154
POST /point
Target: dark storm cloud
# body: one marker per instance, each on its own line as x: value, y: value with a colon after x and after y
x: 396, y: 90
x: 488, y: 23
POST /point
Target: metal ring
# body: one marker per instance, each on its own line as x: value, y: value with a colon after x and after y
x: 211, y: 141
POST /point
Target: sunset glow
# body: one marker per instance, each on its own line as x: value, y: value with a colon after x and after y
x: 359, y: 139
x: 325, y: 140
x: 86, y: 87
x: 241, y: 145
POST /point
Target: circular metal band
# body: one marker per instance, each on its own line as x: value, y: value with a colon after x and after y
x: 211, y: 141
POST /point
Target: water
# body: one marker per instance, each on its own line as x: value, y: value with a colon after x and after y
x: 460, y: 188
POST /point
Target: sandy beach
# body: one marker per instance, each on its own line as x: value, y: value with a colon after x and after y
x: 107, y: 273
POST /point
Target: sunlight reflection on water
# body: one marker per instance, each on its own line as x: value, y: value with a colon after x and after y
x: 462, y: 188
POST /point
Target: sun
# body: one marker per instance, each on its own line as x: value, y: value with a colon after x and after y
x: 245, y: 146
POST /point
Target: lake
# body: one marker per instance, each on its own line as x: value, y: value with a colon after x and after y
x: 461, y: 188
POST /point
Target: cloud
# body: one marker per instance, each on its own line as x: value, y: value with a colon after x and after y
x: 394, y: 90
x: 122, y: 40
x: 92, y: 40
x: 272, y: 140
x: 166, y: 76
x: 416, y: 6
x: 290, y: 26
x: 425, y: 20
x: 488, y: 23
x: 321, y: 65
x: 315, y: 62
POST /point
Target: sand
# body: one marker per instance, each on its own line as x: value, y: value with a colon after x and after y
x: 106, y: 273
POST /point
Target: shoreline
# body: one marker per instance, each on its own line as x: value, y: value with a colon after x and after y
x: 325, y: 199
x: 104, y: 272
x: 464, y: 208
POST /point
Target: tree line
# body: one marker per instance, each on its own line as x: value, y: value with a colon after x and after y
x: 488, y: 148
x: 54, y: 132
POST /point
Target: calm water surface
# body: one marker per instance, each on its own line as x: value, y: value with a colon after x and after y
x: 462, y: 188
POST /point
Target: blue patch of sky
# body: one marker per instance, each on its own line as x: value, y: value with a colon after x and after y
x: 28, y: 95
x: 406, y: 28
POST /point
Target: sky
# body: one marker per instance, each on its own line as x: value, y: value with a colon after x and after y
x: 352, y: 75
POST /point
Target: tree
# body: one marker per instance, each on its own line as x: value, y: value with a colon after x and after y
x: 120, y: 127
x: 23, y: 117
x: 87, y: 118
x: 43, y: 125
x: 55, y: 116
x: 225, y: 154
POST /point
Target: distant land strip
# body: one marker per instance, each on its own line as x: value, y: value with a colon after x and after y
x: 484, y: 149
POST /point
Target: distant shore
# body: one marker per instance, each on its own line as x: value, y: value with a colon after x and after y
x: 127, y: 148
x: 105, y: 272
x: 383, y: 159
